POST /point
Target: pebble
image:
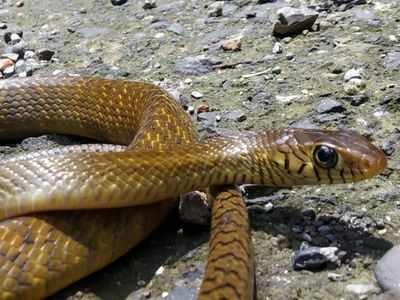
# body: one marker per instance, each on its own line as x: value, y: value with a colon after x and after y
x: 354, y: 86
x: 215, y: 9
x: 392, y: 61
x: 232, y: 44
x: 277, y: 49
x: 351, y: 74
x: 45, y: 54
x: 276, y: 70
x: 9, y: 71
x: 3, y: 26
x: 196, y: 95
x: 194, y: 65
x: 294, y: 20
x: 176, y: 28
x: 12, y: 37
x: 290, y: 56
x: 118, y: 2
x: 236, y: 115
x: 194, y: 208
x: 20, y: 4
x: 314, y: 258
x: 13, y: 56
x: 360, y: 288
x: 203, y: 108
x: 149, y: 4
x: 5, y: 63
x: 357, y: 100
x: 387, y: 271
x: 329, y: 106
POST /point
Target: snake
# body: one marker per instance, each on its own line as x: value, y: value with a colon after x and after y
x: 66, y: 214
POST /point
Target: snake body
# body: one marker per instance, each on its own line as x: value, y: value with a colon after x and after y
x: 42, y: 251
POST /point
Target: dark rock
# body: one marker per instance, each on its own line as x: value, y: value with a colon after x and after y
x: 329, y: 106
x: 357, y: 100
x: 118, y: 2
x: 13, y: 37
x: 309, y: 214
x: 149, y: 4
x: 294, y: 20
x: 45, y: 54
x: 315, y: 258
x: 387, y: 271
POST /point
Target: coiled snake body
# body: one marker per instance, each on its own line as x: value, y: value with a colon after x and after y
x: 42, y: 252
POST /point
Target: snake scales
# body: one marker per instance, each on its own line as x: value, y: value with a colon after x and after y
x: 42, y: 252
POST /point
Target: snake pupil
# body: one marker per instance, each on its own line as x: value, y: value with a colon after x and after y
x: 325, y: 156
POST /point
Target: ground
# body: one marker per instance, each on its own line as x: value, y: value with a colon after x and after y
x: 178, y: 44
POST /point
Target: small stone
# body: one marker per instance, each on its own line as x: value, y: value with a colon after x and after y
x: 118, y: 2
x: 196, y: 95
x: 13, y: 56
x: 360, y: 288
x: 3, y: 25
x: 334, y: 276
x: 269, y: 206
x: 12, y: 37
x: 329, y: 106
x: 276, y: 70
x: 294, y: 20
x: 290, y: 56
x: 45, y: 54
x: 203, y: 108
x: 195, y: 65
x: 354, y: 86
x: 351, y: 74
x: 194, y: 208
x: 215, y: 9
x: 176, y: 28
x: 232, y: 44
x: 314, y: 258
x: 236, y: 116
x: 277, y: 48
x: 5, y: 63
x: 387, y: 272
x: 149, y: 4
x: 18, y: 48
x: 19, y: 4
x: 9, y: 71
x: 83, y: 10
x: 160, y: 270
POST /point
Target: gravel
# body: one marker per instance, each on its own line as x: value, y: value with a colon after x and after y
x: 313, y: 79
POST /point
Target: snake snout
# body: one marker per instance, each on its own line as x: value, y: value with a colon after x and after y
x: 373, y: 163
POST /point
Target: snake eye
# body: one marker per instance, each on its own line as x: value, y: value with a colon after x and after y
x: 326, y: 157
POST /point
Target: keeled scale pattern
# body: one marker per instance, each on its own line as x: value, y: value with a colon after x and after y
x: 41, y: 253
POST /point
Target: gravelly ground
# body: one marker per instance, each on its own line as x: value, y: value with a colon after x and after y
x: 163, y: 44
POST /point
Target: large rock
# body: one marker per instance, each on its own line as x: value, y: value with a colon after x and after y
x: 294, y: 20
x: 387, y: 271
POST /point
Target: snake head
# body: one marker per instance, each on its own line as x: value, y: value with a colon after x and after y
x: 312, y: 156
